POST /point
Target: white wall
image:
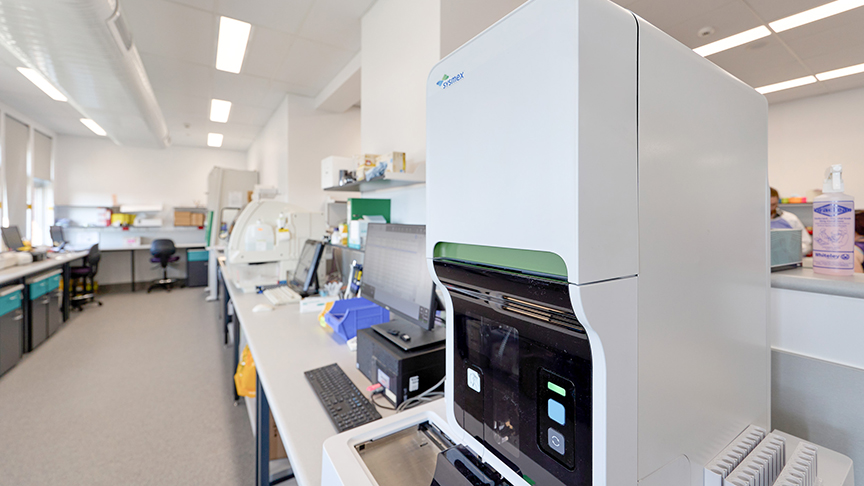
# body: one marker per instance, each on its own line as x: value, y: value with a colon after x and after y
x: 314, y: 135
x: 269, y: 152
x: 87, y: 171
x: 805, y: 136
x: 288, y: 151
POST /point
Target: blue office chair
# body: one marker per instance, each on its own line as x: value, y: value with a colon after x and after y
x: 163, y: 253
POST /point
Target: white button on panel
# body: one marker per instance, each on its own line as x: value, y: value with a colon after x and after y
x: 474, y: 380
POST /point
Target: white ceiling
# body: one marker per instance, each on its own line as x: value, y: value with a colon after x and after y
x: 298, y: 46
x: 821, y: 46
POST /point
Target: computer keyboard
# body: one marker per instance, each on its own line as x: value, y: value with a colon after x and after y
x: 281, y: 295
x: 347, y: 406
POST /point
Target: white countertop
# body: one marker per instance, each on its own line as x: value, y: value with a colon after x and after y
x: 284, y: 344
x: 806, y: 280
x: 51, y: 260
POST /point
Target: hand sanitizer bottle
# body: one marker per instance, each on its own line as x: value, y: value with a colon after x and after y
x: 833, y: 226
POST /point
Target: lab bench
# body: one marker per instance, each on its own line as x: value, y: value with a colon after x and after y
x: 284, y: 344
x: 816, y: 327
x: 34, y: 301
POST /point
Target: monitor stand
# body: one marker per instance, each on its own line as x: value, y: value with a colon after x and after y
x: 398, y: 329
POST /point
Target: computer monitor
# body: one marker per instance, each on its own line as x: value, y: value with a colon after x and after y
x: 305, y: 277
x: 12, y: 238
x: 57, y: 238
x: 396, y: 276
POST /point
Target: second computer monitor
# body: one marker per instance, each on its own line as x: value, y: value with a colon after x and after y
x: 12, y: 238
x: 304, y: 277
x: 395, y: 273
x: 57, y: 237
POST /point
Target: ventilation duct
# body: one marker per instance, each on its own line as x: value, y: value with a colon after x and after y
x: 85, y: 48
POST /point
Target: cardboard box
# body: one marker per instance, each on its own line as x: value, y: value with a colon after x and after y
x: 395, y: 161
x: 182, y: 218
x: 363, y: 163
x: 277, y: 449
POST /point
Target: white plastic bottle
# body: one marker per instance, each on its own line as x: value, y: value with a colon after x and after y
x: 833, y: 226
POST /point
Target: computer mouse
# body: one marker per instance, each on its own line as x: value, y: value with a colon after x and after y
x: 262, y: 308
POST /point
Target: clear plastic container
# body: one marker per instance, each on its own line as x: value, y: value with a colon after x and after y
x: 833, y: 227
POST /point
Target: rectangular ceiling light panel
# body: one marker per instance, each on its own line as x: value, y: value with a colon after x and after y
x: 42, y: 84
x: 839, y: 73
x: 814, y: 14
x: 214, y: 139
x: 733, y: 41
x: 220, y: 110
x: 794, y: 83
x: 231, y: 46
x: 94, y: 127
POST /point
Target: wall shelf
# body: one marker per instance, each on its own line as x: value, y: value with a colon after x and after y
x: 388, y: 180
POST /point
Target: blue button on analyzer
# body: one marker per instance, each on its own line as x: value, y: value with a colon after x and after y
x: 556, y: 411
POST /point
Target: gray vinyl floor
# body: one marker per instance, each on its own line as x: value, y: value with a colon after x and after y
x: 136, y: 392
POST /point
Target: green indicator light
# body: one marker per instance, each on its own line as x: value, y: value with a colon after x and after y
x: 528, y: 480
x: 557, y: 389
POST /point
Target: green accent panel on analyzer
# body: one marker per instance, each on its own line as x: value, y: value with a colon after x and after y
x: 542, y: 262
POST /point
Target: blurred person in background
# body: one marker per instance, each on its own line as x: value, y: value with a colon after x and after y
x: 859, y: 241
x: 785, y: 220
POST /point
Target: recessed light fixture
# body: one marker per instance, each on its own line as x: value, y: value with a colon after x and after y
x: 733, y: 41
x: 814, y: 14
x: 214, y: 139
x: 231, y: 47
x: 793, y: 83
x: 94, y: 127
x: 42, y: 84
x: 839, y: 73
x: 219, y: 110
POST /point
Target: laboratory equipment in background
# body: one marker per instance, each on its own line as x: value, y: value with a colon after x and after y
x: 58, y: 239
x: 360, y: 213
x: 784, y: 252
x: 833, y: 226
x: 12, y: 238
x: 11, y: 328
x: 557, y: 374
x: 227, y: 193
x: 331, y: 169
x: 196, y: 267
x: 406, y: 354
x: 270, y: 231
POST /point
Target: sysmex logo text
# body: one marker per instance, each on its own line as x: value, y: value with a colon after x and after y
x: 832, y: 210
x: 448, y: 80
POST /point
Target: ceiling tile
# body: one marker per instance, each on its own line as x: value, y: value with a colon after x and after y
x: 666, y: 13
x: 330, y: 22
x: 312, y: 64
x: 836, y: 59
x: 771, y: 10
x: 765, y: 61
x: 187, y: 78
x: 280, y: 15
x: 172, y: 30
x: 729, y: 19
x: 239, y: 88
x: 208, y: 5
x: 174, y: 103
x: 266, y: 52
x: 828, y: 35
x: 249, y: 115
x: 844, y: 83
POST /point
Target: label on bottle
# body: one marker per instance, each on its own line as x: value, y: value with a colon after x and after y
x: 833, y: 235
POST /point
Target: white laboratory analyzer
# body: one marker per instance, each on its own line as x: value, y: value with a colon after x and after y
x: 584, y: 173
x: 267, y: 240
